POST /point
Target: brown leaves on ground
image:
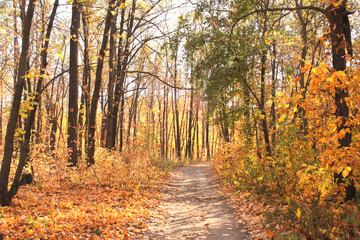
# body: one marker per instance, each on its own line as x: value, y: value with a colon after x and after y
x: 111, y: 200
x: 68, y: 212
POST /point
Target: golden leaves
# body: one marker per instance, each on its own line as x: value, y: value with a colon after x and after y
x: 345, y: 173
x: 70, y: 203
x: 305, y: 161
x: 289, y: 164
x: 298, y: 213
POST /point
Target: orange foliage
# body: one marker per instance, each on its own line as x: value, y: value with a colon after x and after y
x: 111, y: 200
x: 298, y: 180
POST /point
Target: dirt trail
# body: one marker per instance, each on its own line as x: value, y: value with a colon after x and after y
x: 193, y: 208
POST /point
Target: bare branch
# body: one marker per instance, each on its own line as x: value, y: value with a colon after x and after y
x: 161, y: 80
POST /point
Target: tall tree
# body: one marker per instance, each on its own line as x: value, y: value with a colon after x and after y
x: 25, y: 144
x: 337, y: 15
x: 97, y: 84
x: 5, y: 197
x: 72, y: 140
x: 111, y: 84
x: 340, y: 34
x: 86, y: 82
x: 122, y: 65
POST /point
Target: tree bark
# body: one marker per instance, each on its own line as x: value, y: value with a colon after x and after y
x: 177, y: 133
x: 263, y: 88
x: 262, y: 106
x: 112, y: 75
x: 85, y: 88
x: 72, y: 140
x: 273, y: 95
x: 188, y: 150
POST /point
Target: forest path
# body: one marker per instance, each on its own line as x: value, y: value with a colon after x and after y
x: 193, y: 208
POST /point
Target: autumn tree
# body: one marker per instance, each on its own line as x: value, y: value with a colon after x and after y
x: 5, y: 196
x: 98, y: 78
x: 269, y: 13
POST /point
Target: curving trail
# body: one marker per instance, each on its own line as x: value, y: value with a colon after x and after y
x: 193, y: 208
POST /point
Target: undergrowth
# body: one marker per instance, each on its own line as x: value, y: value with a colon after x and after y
x: 113, y: 199
x: 301, y: 198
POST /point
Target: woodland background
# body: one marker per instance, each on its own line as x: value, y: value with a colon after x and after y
x: 100, y: 99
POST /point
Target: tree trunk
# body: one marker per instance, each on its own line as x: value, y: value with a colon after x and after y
x: 273, y: 95
x: 263, y: 88
x: 304, y: 37
x: 134, y: 104
x: 25, y: 145
x: 1, y: 119
x: 188, y: 152
x: 85, y: 88
x: 122, y: 62
x: 340, y: 33
x: 207, y: 138
x: 112, y: 75
x: 54, y: 125
x: 72, y: 140
x: 262, y: 106
x: 97, y: 86
x: 16, y: 43
x: 247, y: 115
x: 177, y: 133
x: 5, y: 197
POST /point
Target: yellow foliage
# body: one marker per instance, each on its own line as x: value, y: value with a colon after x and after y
x: 301, y: 169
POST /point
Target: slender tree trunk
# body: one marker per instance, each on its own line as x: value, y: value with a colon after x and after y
x: 262, y: 106
x: 84, y: 102
x: 112, y: 75
x: 121, y: 120
x: 257, y: 141
x: 1, y: 118
x: 273, y: 95
x: 197, y: 130
x: 54, y: 125
x: 247, y: 115
x: 97, y: 86
x: 166, y: 119
x: 133, y: 108
x: 263, y: 87
x: 164, y: 127
x: 122, y: 61
x: 5, y: 197
x: 304, y: 38
x: 203, y: 134
x: 177, y: 133
x: 188, y: 152
x: 25, y: 145
x: 72, y: 140
x: 224, y: 124
x: 103, y: 121
x: 161, y: 124
x: 16, y: 43
x: 207, y: 142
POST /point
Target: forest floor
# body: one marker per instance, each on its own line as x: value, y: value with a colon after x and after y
x: 190, y: 204
x: 193, y: 207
